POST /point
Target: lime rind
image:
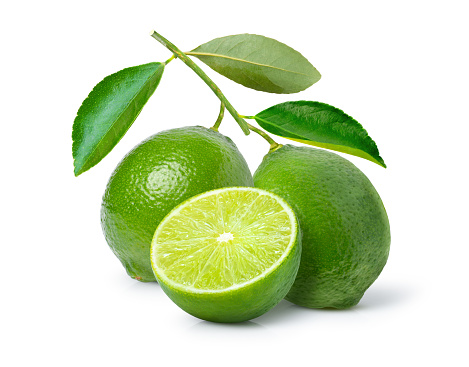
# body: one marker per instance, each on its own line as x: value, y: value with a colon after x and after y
x: 217, y: 217
x: 346, y: 238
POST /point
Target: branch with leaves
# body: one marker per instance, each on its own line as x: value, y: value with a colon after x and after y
x: 254, y: 61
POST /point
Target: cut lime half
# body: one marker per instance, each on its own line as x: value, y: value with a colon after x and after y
x: 227, y: 255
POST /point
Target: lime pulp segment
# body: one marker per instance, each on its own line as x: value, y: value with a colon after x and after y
x: 223, y: 239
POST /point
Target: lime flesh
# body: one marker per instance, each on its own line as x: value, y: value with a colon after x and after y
x: 227, y: 255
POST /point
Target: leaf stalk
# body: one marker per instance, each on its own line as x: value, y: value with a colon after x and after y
x: 220, y: 118
x: 273, y: 144
x: 169, y: 60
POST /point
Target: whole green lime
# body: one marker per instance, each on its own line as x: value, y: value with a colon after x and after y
x: 346, y: 234
x: 157, y: 175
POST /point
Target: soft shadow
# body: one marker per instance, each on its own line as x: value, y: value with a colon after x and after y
x: 208, y: 325
x: 374, y: 298
x: 385, y: 296
x: 137, y: 284
x: 144, y: 288
x: 282, y: 312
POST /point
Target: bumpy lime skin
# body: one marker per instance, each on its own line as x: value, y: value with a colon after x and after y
x: 157, y: 175
x: 346, y: 233
x: 246, y: 302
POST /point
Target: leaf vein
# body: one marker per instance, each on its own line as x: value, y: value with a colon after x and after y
x: 191, y: 53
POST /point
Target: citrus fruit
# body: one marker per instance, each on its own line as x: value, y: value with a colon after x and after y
x: 227, y: 255
x: 345, y: 229
x: 154, y: 177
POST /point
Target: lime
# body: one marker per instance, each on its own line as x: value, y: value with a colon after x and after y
x: 227, y: 255
x: 345, y: 229
x: 158, y: 174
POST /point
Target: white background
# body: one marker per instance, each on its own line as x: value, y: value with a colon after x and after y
x: 398, y: 67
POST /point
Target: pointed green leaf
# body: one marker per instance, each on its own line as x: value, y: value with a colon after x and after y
x: 258, y: 62
x: 108, y: 112
x: 319, y: 124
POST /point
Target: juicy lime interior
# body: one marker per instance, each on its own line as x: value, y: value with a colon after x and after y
x: 222, y: 239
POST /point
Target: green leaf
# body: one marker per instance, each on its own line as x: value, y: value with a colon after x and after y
x: 321, y: 125
x: 258, y: 62
x: 108, y: 112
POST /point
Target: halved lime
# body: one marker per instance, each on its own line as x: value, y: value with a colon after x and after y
x: 227, y: 255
